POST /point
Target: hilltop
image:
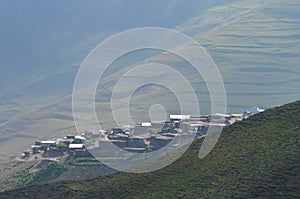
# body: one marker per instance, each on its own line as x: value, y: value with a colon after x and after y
x: 257, y: 157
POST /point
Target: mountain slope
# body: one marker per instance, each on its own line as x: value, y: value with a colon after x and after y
x: 43, y: 44
x: 255, y: 44
x: 43, y: 39
x: 258, y: 157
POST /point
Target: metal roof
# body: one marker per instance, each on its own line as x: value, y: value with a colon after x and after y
x: 75, y: 146
x: 179, y: 117
x: 48, y: 142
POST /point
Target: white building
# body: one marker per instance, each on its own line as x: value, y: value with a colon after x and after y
x: 252, y: 111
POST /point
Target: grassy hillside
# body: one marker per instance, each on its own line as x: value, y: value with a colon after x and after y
x: 258, y: 157
x: 17, y: 174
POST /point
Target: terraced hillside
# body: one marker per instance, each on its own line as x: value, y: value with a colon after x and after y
x: 256, y: 46
x: 254, y: 158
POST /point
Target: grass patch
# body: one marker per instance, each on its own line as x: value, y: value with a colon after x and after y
x: 23, y: 178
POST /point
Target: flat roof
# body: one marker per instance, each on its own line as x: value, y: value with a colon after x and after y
x: 237, y: 115
x: 180, y: 117
x: 79, y: 137
x: 146, y: 124
x: 75, y: 146
x: 35, y: 146
x: 222, y: 115
x: 48, y: 142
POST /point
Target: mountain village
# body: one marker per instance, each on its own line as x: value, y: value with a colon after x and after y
x: 143, y: 137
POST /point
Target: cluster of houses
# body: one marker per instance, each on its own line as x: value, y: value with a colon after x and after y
x: 141, y: 137
x: 57, y: 147
x: 155, y: 135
